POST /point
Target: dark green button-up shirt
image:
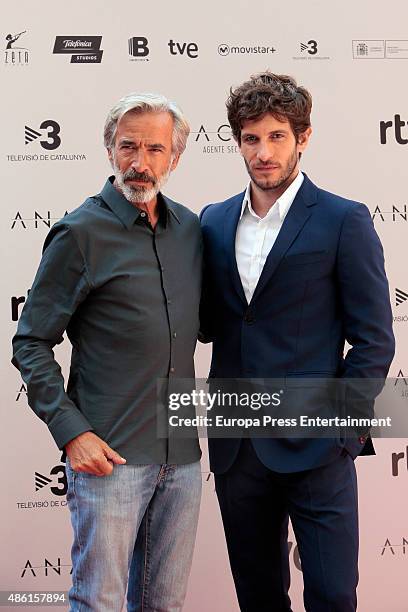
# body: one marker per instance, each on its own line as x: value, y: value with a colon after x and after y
x: 128, y: 299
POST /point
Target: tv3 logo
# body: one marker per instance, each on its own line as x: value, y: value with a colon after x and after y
x: 310, y: 47
x: 42, y: 481
x: 52, y: 130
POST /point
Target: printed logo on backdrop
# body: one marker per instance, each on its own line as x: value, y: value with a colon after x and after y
x: 392, y: 130
x: 394, y: 548
x: 401, y: 302
x: 138, y: 47
x: 401, y: 381
x: 185, y: 49
x: 46, y: 490
x: 225, y: 49
x: 83, y: 49
x: 22, y: 392
x: 14, y: 53
x: 41, y: 143
x: 310, y: 50
x: 399, y: 460
x: 216, y: 139
x: 32, y: 220
x: 50, y: 129
x: 17, y: 303
x: 400, y: 297
x: 389, y: 214
x: 45, y: 567
x: 380, y: 49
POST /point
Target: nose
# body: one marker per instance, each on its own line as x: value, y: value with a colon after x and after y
x: 264, y: 152
x: 139, y: 160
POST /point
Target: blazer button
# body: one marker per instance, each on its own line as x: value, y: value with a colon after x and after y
x: 249, y: 319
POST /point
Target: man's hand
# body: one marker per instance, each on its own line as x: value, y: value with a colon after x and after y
x: 89, y: 453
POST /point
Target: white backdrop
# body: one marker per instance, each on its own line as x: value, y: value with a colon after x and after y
x: 353, y: 57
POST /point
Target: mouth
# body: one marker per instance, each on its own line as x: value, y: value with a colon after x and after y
x: 266, y: 168
x: 138, y: 181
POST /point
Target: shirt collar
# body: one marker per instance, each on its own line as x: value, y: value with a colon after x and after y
x: 125, y: 210
x: 282, y: 204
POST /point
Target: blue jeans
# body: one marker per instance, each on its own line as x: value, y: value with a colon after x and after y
x: 134, y: 530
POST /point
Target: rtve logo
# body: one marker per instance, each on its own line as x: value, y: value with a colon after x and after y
x: 397, y: 457
x: 190, y: 49
x: 16, y: 306
x: 395, y: 461
x: 397, y: 133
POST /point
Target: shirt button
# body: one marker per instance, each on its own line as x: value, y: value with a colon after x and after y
x: 172, y: 370
x: 175, y: 335
x: 169, y: 301
x: 143, y: 214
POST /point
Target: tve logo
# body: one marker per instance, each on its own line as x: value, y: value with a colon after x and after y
x: 177, y: 48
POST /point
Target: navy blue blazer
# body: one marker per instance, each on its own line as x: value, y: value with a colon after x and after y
x: 323, y: 283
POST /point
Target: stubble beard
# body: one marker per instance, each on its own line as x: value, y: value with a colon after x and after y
x: 271, y: 185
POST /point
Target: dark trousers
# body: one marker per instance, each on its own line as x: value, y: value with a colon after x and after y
x: 322, y: 505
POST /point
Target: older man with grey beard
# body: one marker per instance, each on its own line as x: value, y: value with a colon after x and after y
x: 121, y: 275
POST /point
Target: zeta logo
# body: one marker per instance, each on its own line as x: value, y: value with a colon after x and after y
x: 83, y: 49
x: 138, y: 47
x: 310, y: 47
x: 51, y: 130
x: 400, y: 296
x: 15, y: 55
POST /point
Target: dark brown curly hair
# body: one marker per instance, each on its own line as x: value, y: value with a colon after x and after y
x: 266, y: 92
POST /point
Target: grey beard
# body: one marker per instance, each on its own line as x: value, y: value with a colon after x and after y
x: 139, y: 194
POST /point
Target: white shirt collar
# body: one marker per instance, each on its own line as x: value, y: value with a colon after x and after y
x: 281, y: 205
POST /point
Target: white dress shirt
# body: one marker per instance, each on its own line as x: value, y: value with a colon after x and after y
x: 256, y: 236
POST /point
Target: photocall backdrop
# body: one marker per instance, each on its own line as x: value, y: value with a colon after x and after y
x: 352, y: 57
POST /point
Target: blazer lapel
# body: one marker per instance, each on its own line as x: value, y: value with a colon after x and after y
x: 231, y: 219
x: 296, y: 218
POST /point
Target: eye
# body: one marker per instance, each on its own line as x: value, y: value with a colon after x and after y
x: 278, y: 136
x: 250, y: 138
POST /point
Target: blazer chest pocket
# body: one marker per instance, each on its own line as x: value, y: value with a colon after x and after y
x: 303, y: 259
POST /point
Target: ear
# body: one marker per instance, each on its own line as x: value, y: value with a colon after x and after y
x: 175, y: 162
x: 303, y: 139
x: 110, y: 156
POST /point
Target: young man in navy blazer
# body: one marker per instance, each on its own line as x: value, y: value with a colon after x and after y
x: 291, y: 273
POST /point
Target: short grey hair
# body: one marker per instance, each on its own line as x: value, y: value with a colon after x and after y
x: 147, y: 103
